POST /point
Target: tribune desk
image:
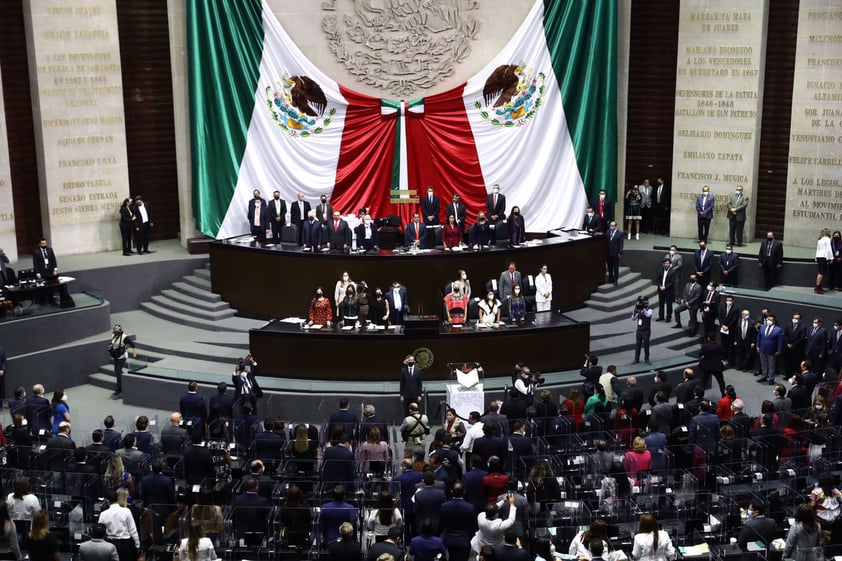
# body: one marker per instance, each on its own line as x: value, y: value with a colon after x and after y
x: 279, y: 281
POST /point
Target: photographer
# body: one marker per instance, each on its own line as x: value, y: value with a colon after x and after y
x: 591, y: 371
x: 526, y: 383
x: 245, y: 384
x: 642, y: 314
x: 118, y: 348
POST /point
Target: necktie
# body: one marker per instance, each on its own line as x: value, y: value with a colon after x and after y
x: 513, y: 279
x: 768, y: 331
x: 709, y: 298
x: 256, y: 213
x: 44, y: 252
x: 793, y: 326
x: 745, y: 328
x: 335, y: 225
x: 660, y: 190
x: 417, y: 233
x: 411, y: 369
x: 814, y: 331
x: 727, y: 309
x: 246, y: 385
x: 769, y: 248
x: 495, y: 201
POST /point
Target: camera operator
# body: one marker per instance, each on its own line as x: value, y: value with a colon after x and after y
x: 591, y: 371
x: 526, y: 383
x: 245, y: 384
x: 643, y: 316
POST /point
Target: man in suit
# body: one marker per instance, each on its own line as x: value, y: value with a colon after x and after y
x: 835, y: 346
x: 495, y: 205
x: 459, y: 524
x: 158, y: 490
x: 323, y: 210
x: 38, y: 411
x: 370, y: 420
x: 429, y: 499
x: 520, y: 446
x: 615, y: 252
x: 691, y: 297
x: 192, y: 407
x: 661, y: 208
x: 343, y: 419
x: 398, y: 303
x: 729, y: 316
x: 508, y: 279
x: 770, y: 345
x: 489, y: 445
x: 62, y: 439
x: 334, y: 513
x: 710, y: 362
x: 677, y: 264
x: 129, y: 452
x: 246, y: 387
x: 221, y: 404
x: 339, y: 234
x: 710, y: 308
x: 5, y: 278
x: 276, y: 212
x: 298, y: 212
x: 592, y: 223
x: 795, y: 344
x: 96, y: 548
x: 758, y: 527
x: 798, y: 395
x: 411, y: 383
x: 702, y: 262
x: 665, y: 279
x: 704, y: 212
x: 737, y: 216
x: 646, y: 191
x: 391, y: 545
x: 431, y: 208
x: 313, y: 234
x: 173, y: 436
x: 458, y: 210
x: 816, y: 349
x: 415, y: 233
x: 704, y: 428
x: 603, y: 207
x: 338, y: 463
x: 142, y: 225
x: 770, y: 259
x: 249, y: 509
x: 729, y: 265
x: 256, y: 215
x: 744, y: 341
x: 659, y: 384
x: 44, y: 261
x: 685, y: 389
x: 808, y: 378
x: 366, y: 233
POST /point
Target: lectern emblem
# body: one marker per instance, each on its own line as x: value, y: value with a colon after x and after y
x: 424, y: 357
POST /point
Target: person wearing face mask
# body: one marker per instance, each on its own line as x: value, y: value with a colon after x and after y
x: 489, y: 310
x: 770, y: 259
x: 411, y: 386
x: 517, y: 306
x: 710, y: 308
x: 615, y: 252
x: 349, y: 308
x: 633, y: 217
x: 729, y: 264
x: 665, y: 280
x: 702, y: 262
x: 836, y: 265
x: 729, y: 316
x: 378, y: 312
x: 795, y: 342
x: 592, y: 223
x: 127, y: 221
x: 543, y: 290
x: 824, y: 256
x: 142, y: 225
x: 495, y: 205
x: 603, y: 207
x: 770, y: 345
x: 398, y: 303
x: 324, y: 210
x: 704, y: 212
x: 677, y: 264
x: 691, y: 297
x: 517, y: 227
x: 321, y: 311
x: 737, y: 205
x: 817, y: 345
x: 256, y: 214
x: 661, y: 199
x: 451, y: 235
x: 457, y: 209
x: 431, y: 208
x: 835, y: 346
x: 757, y: 527
x: 455, y: 305
x: 338, y: 233
x: 744, y: 337
x: 817, y: 416
x: 299, y: 210
x: 341, y: 287
x: 507, y: 281
x: 415, y: 233
x: 462, y: 277
x: 366, y: 233
x: 480, y: 233
x: 118, y: 348
x: 313, y: 234
x: 276, y: 211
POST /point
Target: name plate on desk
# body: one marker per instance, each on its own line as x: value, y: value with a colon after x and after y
x: 421, y: 325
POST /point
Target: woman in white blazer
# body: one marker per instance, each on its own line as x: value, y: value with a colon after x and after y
x: 650, y: 543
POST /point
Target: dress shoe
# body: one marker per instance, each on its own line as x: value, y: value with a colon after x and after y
x: 660, y: 319
x: 677, y: 326
x: 761, y: 380
x: 635, y: 361
x: 647, y: 361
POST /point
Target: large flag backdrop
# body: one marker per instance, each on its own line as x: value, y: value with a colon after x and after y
x: 539, y: 119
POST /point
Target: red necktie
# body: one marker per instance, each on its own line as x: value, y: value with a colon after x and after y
x: 335, y: 225
x: 495, y: 202
x: 417, y: 233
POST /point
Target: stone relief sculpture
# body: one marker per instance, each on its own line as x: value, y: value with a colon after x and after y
x: 400, y: 46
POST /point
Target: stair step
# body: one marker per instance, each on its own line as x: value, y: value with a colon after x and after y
x: 210, y: 315
x: 625, y: 302
x: 198, y: 282
x: 101, y: 380
x: 195, y: 292
x: 203, y: 273
x: 626, y: 342
x: 198, y: 302
x: 626, y: 277
x: 182, y: 318
x: 632, y: 287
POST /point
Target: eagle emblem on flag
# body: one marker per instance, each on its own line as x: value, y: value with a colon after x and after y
x: 298, y: 106
x: 512, y: 95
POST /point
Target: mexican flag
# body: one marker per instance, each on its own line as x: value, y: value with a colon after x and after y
x: 539, y: 119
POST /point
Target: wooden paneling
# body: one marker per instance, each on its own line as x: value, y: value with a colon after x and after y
x: 147, y: 93
x: 651, y: 95
x: 777, y: 112
x: 19, y: 127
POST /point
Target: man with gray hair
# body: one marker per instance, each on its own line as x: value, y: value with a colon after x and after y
x: 97, y: 549
x: 739, y: 420
x: 632, y: 393
x: 370, y: 420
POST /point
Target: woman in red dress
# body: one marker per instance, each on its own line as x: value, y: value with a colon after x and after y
x: 321, y: 311
x: 451, y: 235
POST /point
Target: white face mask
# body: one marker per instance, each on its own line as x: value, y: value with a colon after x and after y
x: 672, y: 252
x: 496, y: 191
x: 602, y: 197
x: 727, y: 252
x: 710, y: 287
x: 768, y: 322
x: 590, y: 215
x: 794, y: 320
x: 517, y: 291
x: 815, y: 324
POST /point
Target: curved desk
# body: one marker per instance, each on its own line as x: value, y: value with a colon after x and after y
x: 279, y: 281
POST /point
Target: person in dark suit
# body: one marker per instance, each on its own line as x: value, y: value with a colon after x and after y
x: 665, y: 280
x: 343, y: 419
x: 250, y: 510
x: 371, y: 420
x: 198, y: 461
x: 313, y: 233
x: 299, y: 210
x: 345, y: 548
x: 111, y: 437
x: 158, y: 490
x: 142, y: 225
x: 398, y: 301
x: 221, y: 404
x: 520, y: 446
x: 415, y: 233
x: 704, y: 428
x: 323, y: 210
x: 127, y: 221
x: 44, y: 261
x: 256, y: 215
x: 338, y: 463
x: 480, y: 234
x: 62, y: 439
x: 38, y: 411
x: 798, y: 395
x: 816, y: 347
x: 684, y: 390
x: 429, y: 499
x: 729, y: 316
x: 459, y: 524
x: 615, y: 252
x: 758, y: 527
x: 770, y: 259
x: 729, y: 267
x: 710, y: 308
x: 603, y: 207
x: 795, y: 344
x: 431, y: 208
x: 246, y: 386
x: 737, y: 216
x: 770, y: 345
x: 744, y: 341
x: 192, y: 407
x: 691, y: 298
x: 517, y: 227
x: 80, y: 463
x: 457, y: 209
x: 659, y: 384
x: 339, y: 234
x: 592, y: 223
x: 489, y: 445
x: 334, y: 513
x: 710, y: 362
x: 495, y: 205
x: 661, y: 207
x: 411, y: 383
x: 366, y: 233
x: 173, y: 436
x: 276, y: 211
x: 704, y: 212
x: 702, y: 262
x: 391, y: 545
x: 834, y: 352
